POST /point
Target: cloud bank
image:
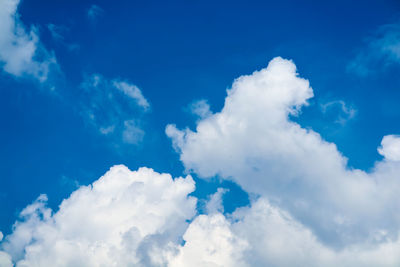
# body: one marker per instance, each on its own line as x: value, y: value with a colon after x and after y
x: 307, y: 208
x: 123, y: 219
x: 21, y: 53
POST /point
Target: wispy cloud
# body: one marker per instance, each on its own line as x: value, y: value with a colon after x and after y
x: 307, y: 208
x: 58, y: 33
x: 113, y: 107
x: 94, y: 12
x: 133, y: 92
x: 382, y: 49
x: 21, y: 52
x: 341, y: 111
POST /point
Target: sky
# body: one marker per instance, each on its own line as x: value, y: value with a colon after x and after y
x: 199, y: 133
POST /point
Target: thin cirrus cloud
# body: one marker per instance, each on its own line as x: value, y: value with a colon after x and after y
x: 58, y: 33
x: 382, y: 50
x: 307, y: 207
x: 113, y: 107
x: 343, y: 112
x: 94, y: 12
x: 21, y: 52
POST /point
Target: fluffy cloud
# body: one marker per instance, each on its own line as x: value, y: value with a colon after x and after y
x: 109, y: 105
x: 5, y: 258
x: 210, y: 242
x: 139, y: 219
x: 21, y: 52
x: 123, y: 219
x: 307, y: 207
x: 390, y: 147
x: 264, y: 235
x: 253, y: 142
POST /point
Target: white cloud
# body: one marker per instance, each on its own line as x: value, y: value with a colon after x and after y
x: 21, y: 53
x: 390, y: 147
x: 133, y: 92
x: 307, y: 207
x: 132, y: 134
x: 113, y: 107
x: 140, y: 219
x: 215, y: 202
x: 253, y: 142
x: 382, y: 49
x: 210, y: 242
x: 200, y: 108
x: 5, y: 258
x: 123, y: 219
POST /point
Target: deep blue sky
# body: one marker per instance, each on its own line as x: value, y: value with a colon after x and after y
x: 178, y: 52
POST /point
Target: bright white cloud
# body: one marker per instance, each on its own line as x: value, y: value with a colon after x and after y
x: 114, y: 107
x: 210, y: 242
x: 264, y: 235
x: 5, y: 258
x: 381, y: 49
x: 307, y: 207
x: 123, y: 219
x: 253, y: 142
x: 390, y: 147
x: 21, y: 52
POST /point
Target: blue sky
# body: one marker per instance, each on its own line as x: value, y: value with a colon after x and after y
x: 104, y: 79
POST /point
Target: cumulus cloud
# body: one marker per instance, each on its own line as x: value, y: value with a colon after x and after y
x: 210, y: 242
x: 382, y: 48
x: 123, y: 219
x: 5, y: 258
x: 113, y: 107
x: 264, y: 235
x: 140, y: 218
x: 390, y: 147
x: 253, y: 142
x: 21, y: 53
x: 307, y: 207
